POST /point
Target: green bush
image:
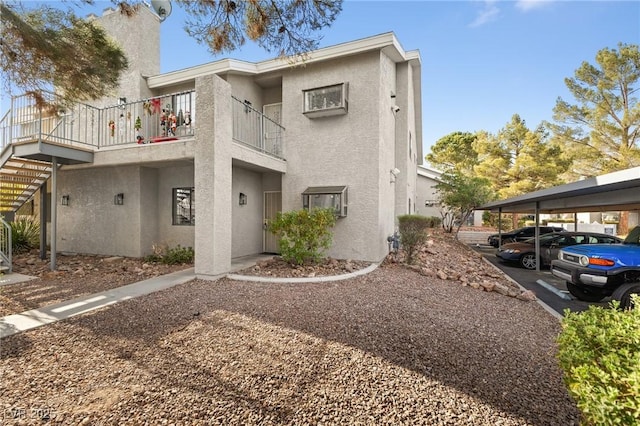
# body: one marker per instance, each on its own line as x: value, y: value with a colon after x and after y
x: 433, y: 221
x: 491, y: 219
x: 599, y: 352
x: 172, y: 256
x: 413, y: 233
x: 304, y: 235
x: 25, y: 235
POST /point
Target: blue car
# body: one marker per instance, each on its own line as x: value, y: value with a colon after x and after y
x: 593, y: 272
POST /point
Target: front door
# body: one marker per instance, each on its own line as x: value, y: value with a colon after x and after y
x: 272, y: 205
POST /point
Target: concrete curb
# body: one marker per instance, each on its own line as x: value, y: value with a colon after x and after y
x: 328, y: 278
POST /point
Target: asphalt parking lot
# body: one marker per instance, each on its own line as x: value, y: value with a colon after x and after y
x: 548, y: 288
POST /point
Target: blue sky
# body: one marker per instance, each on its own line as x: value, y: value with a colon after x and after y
x: 482, y: 61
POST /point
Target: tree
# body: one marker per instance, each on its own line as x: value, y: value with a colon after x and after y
x: 601, y: 132
x: 454, y: 152
x: 518, y: 160
x: 460, y: 194
x: 44, y: 47
x: 284, y: 26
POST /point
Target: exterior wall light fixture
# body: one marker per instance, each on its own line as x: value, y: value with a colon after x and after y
x: 65, y: 200
x: 243, y: 199
x: 118, y: 199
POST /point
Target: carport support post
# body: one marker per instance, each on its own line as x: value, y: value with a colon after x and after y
x: 537, y: 236
x: 499, y: 227
x: 575, y: 221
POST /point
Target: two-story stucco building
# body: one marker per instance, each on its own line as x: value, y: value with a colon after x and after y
x: 245, y: 140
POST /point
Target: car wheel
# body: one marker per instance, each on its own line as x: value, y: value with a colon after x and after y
x: 584, y: 294
x: 624, y: 292
x: 528, y: 261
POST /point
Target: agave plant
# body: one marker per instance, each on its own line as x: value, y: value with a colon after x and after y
x: 25, y: 234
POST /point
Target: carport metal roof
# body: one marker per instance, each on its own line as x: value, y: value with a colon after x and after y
x: 613, y: 191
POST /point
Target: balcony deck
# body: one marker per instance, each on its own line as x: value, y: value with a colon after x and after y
x: 71, y: 132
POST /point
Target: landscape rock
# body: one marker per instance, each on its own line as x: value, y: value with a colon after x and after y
x: 527, y: 295
x: 488, y: 286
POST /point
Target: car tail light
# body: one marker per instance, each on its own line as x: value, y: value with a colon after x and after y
x: 601, y: 262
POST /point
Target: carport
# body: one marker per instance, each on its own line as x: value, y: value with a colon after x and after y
x: 613, y: 191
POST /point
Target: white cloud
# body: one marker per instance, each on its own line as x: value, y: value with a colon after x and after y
x: 527, y: 5
x: 488, y: 13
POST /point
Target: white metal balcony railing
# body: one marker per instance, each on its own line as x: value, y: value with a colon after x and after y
x: 47, y: 118
x: 254, y: 129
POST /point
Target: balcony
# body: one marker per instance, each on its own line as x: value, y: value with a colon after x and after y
x: 255, y: 130
x: 48, y: 119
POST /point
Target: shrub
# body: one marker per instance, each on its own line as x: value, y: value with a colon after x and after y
x: 178, y: 255
x: 413, y: 233
x: 491, y: 219
x: 304, y: 235
x: 599, y: 352
x: 433, y: 221
x: 25, y: 235
x: 171, y: 256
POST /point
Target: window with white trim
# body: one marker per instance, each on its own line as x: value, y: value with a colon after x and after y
x: 325, y: 101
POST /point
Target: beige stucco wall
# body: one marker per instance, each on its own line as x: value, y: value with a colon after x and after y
x: 247, y: 219
x: 243, y: 88
x: 426, y: 191
x: 343, y: 150
x: 167, y: 179
x: 406, y: 148
x: 106, y: 228
x: 391, y: 125
x: 139, y: 37
x: 213, y: 177
x: 93, y: 224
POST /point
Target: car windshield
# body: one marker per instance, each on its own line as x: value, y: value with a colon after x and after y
x: 633, y: 237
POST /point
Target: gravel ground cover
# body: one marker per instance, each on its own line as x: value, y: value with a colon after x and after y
x: 395, y: 346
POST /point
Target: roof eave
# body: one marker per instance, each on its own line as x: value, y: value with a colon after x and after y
x: 386, y: 42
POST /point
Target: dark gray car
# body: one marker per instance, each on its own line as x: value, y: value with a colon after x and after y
x: 521, y: 234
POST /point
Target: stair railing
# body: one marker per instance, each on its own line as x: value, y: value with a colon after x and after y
x: 6, y: 244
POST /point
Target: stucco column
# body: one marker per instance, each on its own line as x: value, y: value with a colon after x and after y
x: 212, y: 169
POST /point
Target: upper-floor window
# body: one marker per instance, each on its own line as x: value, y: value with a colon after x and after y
x: 325, y: 101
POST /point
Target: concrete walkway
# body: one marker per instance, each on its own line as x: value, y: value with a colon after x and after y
x: 28, y: 320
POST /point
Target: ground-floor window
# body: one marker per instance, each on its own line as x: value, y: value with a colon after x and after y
x: 184, y: 206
